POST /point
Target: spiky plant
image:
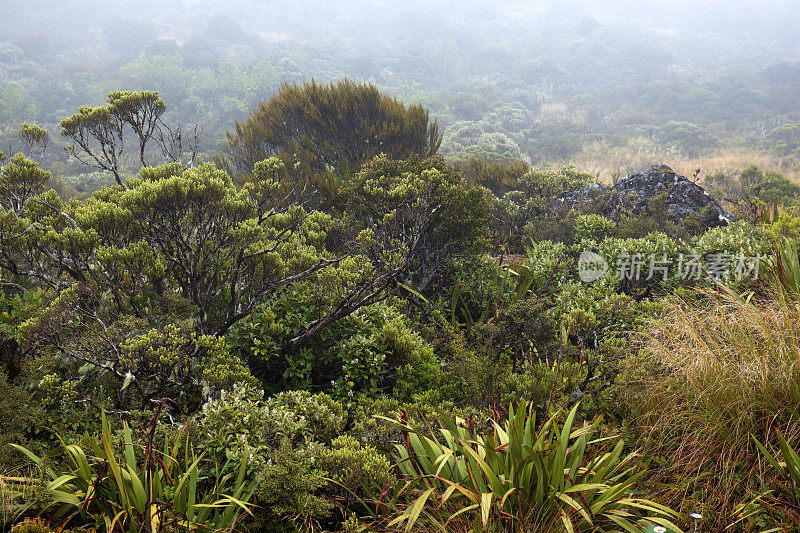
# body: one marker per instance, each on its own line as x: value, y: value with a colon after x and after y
x: 518, y: 477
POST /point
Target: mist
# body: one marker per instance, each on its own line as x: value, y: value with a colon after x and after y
x: 546, y: 82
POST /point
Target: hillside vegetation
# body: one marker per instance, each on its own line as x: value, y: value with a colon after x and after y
x: 471, y: 268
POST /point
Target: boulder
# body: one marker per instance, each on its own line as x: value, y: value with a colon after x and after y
x: 631, y: 194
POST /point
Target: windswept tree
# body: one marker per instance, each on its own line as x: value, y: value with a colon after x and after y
x: 408, y: 217
x: 141, y: 111
x: 98, y: 133
x: 35, y: 138
x: 335, y: 127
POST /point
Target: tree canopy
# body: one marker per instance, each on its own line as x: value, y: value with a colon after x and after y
x: 335, y: 127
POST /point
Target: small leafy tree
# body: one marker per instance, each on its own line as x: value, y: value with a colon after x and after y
x: 97, y: 133
x: 410, y: 217
x: 174, y: 261
x: 20, y: 180
x: 35, y: 138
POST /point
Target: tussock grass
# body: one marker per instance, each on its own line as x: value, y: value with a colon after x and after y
x: 711, y: 373
x: 639, y: 154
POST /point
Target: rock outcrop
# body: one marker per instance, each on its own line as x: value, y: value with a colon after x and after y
x: 631, y: 194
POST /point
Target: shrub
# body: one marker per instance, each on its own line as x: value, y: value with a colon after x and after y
x: 358, y: 469
x: 242, y: 418
x: 367, y: 351
x: 323, y: 416
x: 593, y: 227
x: 290, y: 488
x: 518, y: 477
x: 20, y: 422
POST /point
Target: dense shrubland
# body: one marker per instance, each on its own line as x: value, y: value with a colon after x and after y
x: 387, y: 341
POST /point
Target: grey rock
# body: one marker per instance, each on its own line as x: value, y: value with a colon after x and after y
x: 631, y: 194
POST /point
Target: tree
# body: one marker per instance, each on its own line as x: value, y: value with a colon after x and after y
x: 335, y: 127
x: 190, y: 249
x: 180, y: 247
x: 35, y: 137
x: 410, y: 217
x: 97, y: 133
x: 141, y: 111
x: 20, y: 180
x: 784, y: 140
x: 404, y: 220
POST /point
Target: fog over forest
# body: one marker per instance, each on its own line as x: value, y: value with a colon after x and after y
x: 609, y: 86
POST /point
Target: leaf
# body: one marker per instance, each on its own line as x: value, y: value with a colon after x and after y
x: 416, y: 509
x: 486, y: 507
x: 29, y: 454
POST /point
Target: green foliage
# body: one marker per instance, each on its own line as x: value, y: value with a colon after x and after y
x: 364, y: 353
x: 782, y: 269
x: 165, y: 486
x: 593, y: 227
x: 171, y: 352
x: 685, y: 137
x: 290, y: 488
x: 338, y: 127
x: 242, y: 418
x: 20, y: 423
x: 596, y: 309
x: 97, y: 132
x: 442, y: 217
x: 172, y: 245
x: 518, y: 475
x: 532, y: 209
x: 498, y: 176
x: 784, y: 140
x: 356, y: 469
x: 35, y: 137
x: 733, y: 239
x: 14, y: 311
x: 480, y: 358
x: 423, y: 410
x: 753, y: 189
x: 20, y: 180
x: 324, y: 416
x: 775, y: 188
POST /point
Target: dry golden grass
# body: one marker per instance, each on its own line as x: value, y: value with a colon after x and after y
x: 640, y: 154
x: 711, y: 374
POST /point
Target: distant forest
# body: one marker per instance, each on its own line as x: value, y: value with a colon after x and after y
x: 609, y: 89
